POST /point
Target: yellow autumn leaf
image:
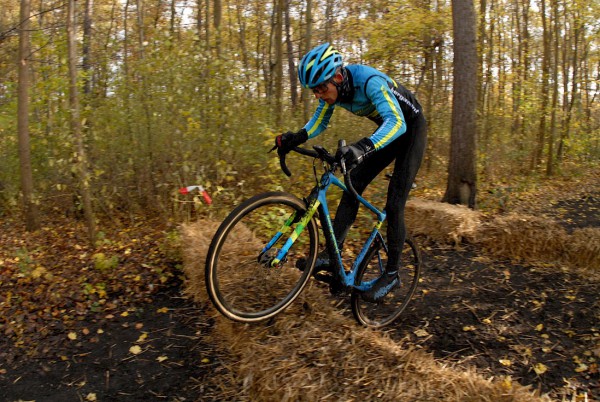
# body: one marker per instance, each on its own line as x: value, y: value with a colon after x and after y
x: 163, y: 310
x: 135, y: 350
x: 72, y: 336
x: 540, y: 368
x: 581, y: 368
x: 505, y: 362
x: 421, y: 333
x: 142, y: 337
x: 38, y: 272
x: 161, y: 358
x: 91, y: 397
x: 124, y: 314
x: 469, y: 328
x: 539, y: 327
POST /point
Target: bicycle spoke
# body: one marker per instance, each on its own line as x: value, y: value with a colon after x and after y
x: 242, y: 283
x: 392, y: 305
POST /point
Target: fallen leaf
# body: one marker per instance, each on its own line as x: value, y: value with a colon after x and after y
x: 469, y: 328
x: 135, y: 350
x: 163, y: 310
x: 540, y: 368
x: 421, y: 333
x: 505, y: 362
x: 161, y: 358
x: 72, y: 336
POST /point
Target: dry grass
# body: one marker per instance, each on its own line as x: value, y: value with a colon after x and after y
x: 440, y: 222
x: 514, y: 236
x: 297, y: 357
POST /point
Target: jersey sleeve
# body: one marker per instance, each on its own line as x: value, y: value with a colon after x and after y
x: 394, y: 125
x: 320, y: 119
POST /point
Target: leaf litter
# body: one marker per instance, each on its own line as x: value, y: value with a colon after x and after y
x: 534, y: 324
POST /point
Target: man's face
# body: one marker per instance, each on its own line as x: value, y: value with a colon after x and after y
x: 327, y: 91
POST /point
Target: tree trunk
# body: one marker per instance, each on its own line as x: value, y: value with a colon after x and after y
x: 84, y: 179
x: 30, y: 208
x: 307, y: 46
x: 328, y: 20
x: 290, y: 56
x: 552, y: 134
x: 86, y: 49
x: 539, y: 146
x: 462, y: 172
x: 278, y: 62
x: 217, y: 14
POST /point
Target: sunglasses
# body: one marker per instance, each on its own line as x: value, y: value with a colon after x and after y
x: 321, y: 88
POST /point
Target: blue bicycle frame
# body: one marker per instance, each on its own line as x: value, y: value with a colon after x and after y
x: 317, y: 200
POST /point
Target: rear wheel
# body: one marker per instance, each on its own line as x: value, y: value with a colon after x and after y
x: 393, y: 304
x: 240, y: 279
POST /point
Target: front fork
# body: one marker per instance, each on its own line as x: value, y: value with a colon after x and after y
x: 301, y: 222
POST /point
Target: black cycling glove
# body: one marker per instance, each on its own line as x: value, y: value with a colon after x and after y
x: 284, y: 143
x: 356, y: 153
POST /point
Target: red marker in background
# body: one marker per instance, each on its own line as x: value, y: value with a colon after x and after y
x: 189, y: 189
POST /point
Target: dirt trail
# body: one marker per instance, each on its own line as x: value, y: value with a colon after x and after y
x: 538, y: 324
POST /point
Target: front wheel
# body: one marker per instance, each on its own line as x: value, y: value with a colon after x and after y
x: 241, y: 279
x: 386, y: 311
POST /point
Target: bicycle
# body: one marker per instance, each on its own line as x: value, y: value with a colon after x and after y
x: 251, y: 268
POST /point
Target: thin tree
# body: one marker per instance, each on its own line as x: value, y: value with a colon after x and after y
x: 541, y: 137
x: 290, y: 56
x: 307, y: 45
x: 76, y: 128
x: 278, y: 62
x: 555, y: 85
x: 462, y: 172
x: 30, y: 209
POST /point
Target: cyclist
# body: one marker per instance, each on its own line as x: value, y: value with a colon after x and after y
x: 401, y: 135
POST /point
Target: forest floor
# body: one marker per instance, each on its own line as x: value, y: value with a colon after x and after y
x: 112, y: 324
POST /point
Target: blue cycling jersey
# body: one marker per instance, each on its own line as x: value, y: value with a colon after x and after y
x: 375, y: 96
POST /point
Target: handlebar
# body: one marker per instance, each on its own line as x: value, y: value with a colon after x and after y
x: 321, y: 153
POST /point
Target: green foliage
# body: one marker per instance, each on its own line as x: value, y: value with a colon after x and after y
x: 105, y: 263
x: 171, y: 110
